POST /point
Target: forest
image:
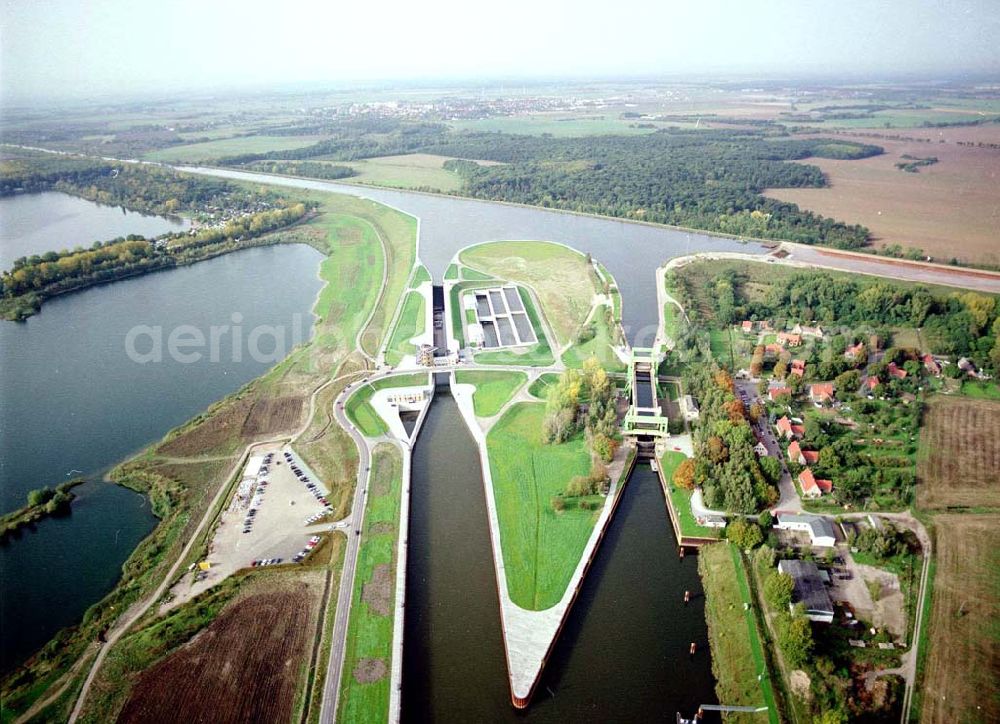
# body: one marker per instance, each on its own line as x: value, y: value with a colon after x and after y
x: 705, y: 179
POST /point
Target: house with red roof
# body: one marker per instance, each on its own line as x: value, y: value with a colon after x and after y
x: 931, y: 364
x: 775, y: 392
x: 773, y: 350
x: 821, y: 392
x: 795, y: 452
x: 809, y: 457
x: 898, y: 372
x: 872, y: 382
x: 854, y: 351
x: 811, y: 486
x: 746, y: 326
x: 798, y: 367
x: 787, y: 339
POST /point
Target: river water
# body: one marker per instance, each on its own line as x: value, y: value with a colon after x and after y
x: 76, y: 404
x: 53, y: 221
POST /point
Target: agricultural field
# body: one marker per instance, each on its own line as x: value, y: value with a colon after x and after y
x: 493, y: 389
x: 561, y: 277
x: 410, y: 171
x: 541, y: 547
x: 368, y: 658
x: 947, y: 209
x: 959, y: 454
x: 556, y: 125
x: 246, y: 665
x: 737, y: 653
x: 210, y: 150
x: 963, y: 661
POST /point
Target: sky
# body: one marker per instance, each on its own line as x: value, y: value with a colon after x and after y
x: 85, y: 48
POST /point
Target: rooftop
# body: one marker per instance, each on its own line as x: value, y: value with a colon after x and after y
x: 809, y: 589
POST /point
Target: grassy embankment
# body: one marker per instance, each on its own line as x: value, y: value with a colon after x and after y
x: 493, y: 389
x: 364, y: 685
x: 410, y: 324
x: 359, y: 408
x: 566, y: 285
x: 541, y: 547
x: 737, y: 653
x: 175, y: 472
x: 680, y: 499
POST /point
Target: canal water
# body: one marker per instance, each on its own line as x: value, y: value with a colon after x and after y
x: 75, y: 403
x: 624, y: 652
x: 631, y: 252
x: 53, y: 221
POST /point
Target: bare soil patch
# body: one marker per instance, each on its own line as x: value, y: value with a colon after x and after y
x: 950, y: 209
x: 376, y: 591
x: 243, y: 667
x: 382, y: 527
x: 960, y: 453
x: 963, y: 662
x: 369, y: 670
x: 272, y: 415
x: 217, y: 430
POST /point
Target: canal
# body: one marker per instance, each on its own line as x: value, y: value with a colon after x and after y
x: 624, y: 652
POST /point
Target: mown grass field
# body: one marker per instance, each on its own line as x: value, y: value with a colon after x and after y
x: 737, y: 653
x: 601, y: 347
x: 493, y: 389
x: 555, y: 125
x: 539, y: 386
x: 409, y: 325
x: 541, y: 548
x: 561, y: 277
x: 963, y: 660
x: 364, y: 694
x: 210, y: 150
x: 959, y: 453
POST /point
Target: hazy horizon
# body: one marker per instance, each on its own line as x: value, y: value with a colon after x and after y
x: 55, y: 50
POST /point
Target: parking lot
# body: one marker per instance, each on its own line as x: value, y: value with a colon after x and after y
x: 270, y: 520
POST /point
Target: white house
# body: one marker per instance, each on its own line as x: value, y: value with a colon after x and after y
x: 820, y: 530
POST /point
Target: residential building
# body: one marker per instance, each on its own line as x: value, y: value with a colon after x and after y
x: 854, y: 351
x: 872, y: 382
x: 898, y: 372
x: 747, y: 326
x: 821, y: 392
x: 786, y: 339
x: 809, y: 589
x: 816, y: 331
x: 931, y: 364
x: 813, y: 487
x: 760, y: 448
x: 788, y: 429
x: 795, y: 453
x: 689, y: 408
x: 798, y: 367
x: 774, y: 392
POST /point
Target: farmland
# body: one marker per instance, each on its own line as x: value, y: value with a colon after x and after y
x: 410, y: 171
x: 948, y: 209
x: 245, y: 666
x: 210, y: 150
x: 493, y: 389
x: 963, y: 662
x: 959, y: 454
x: 541, y: 547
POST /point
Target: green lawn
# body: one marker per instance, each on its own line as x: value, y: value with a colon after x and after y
x: 360, y: 410
x: 722, y: 346
x: 493, y: 389
x: 420, y: 275
x: 539, y: 386
x: 541, y: 548
x: 601, y: 347
x: 671, y: 320
x: 369, y: 634
x: 472, y: 275
x: 981, y: 390
x: 737, y: 654
x: 681, y: 499
x: 451, y: 272
x: 230, y: 147
x: 409, y: 325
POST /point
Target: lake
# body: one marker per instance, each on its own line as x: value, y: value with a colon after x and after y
x: 75, y: 403
x: 53, y: 221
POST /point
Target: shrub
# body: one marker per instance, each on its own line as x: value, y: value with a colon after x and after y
x: 558, y: 504
x: 778, y: 590
x: 744, y: 534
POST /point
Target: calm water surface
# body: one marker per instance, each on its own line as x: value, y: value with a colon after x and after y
x: 74, y: 403
x: 53, y: 221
